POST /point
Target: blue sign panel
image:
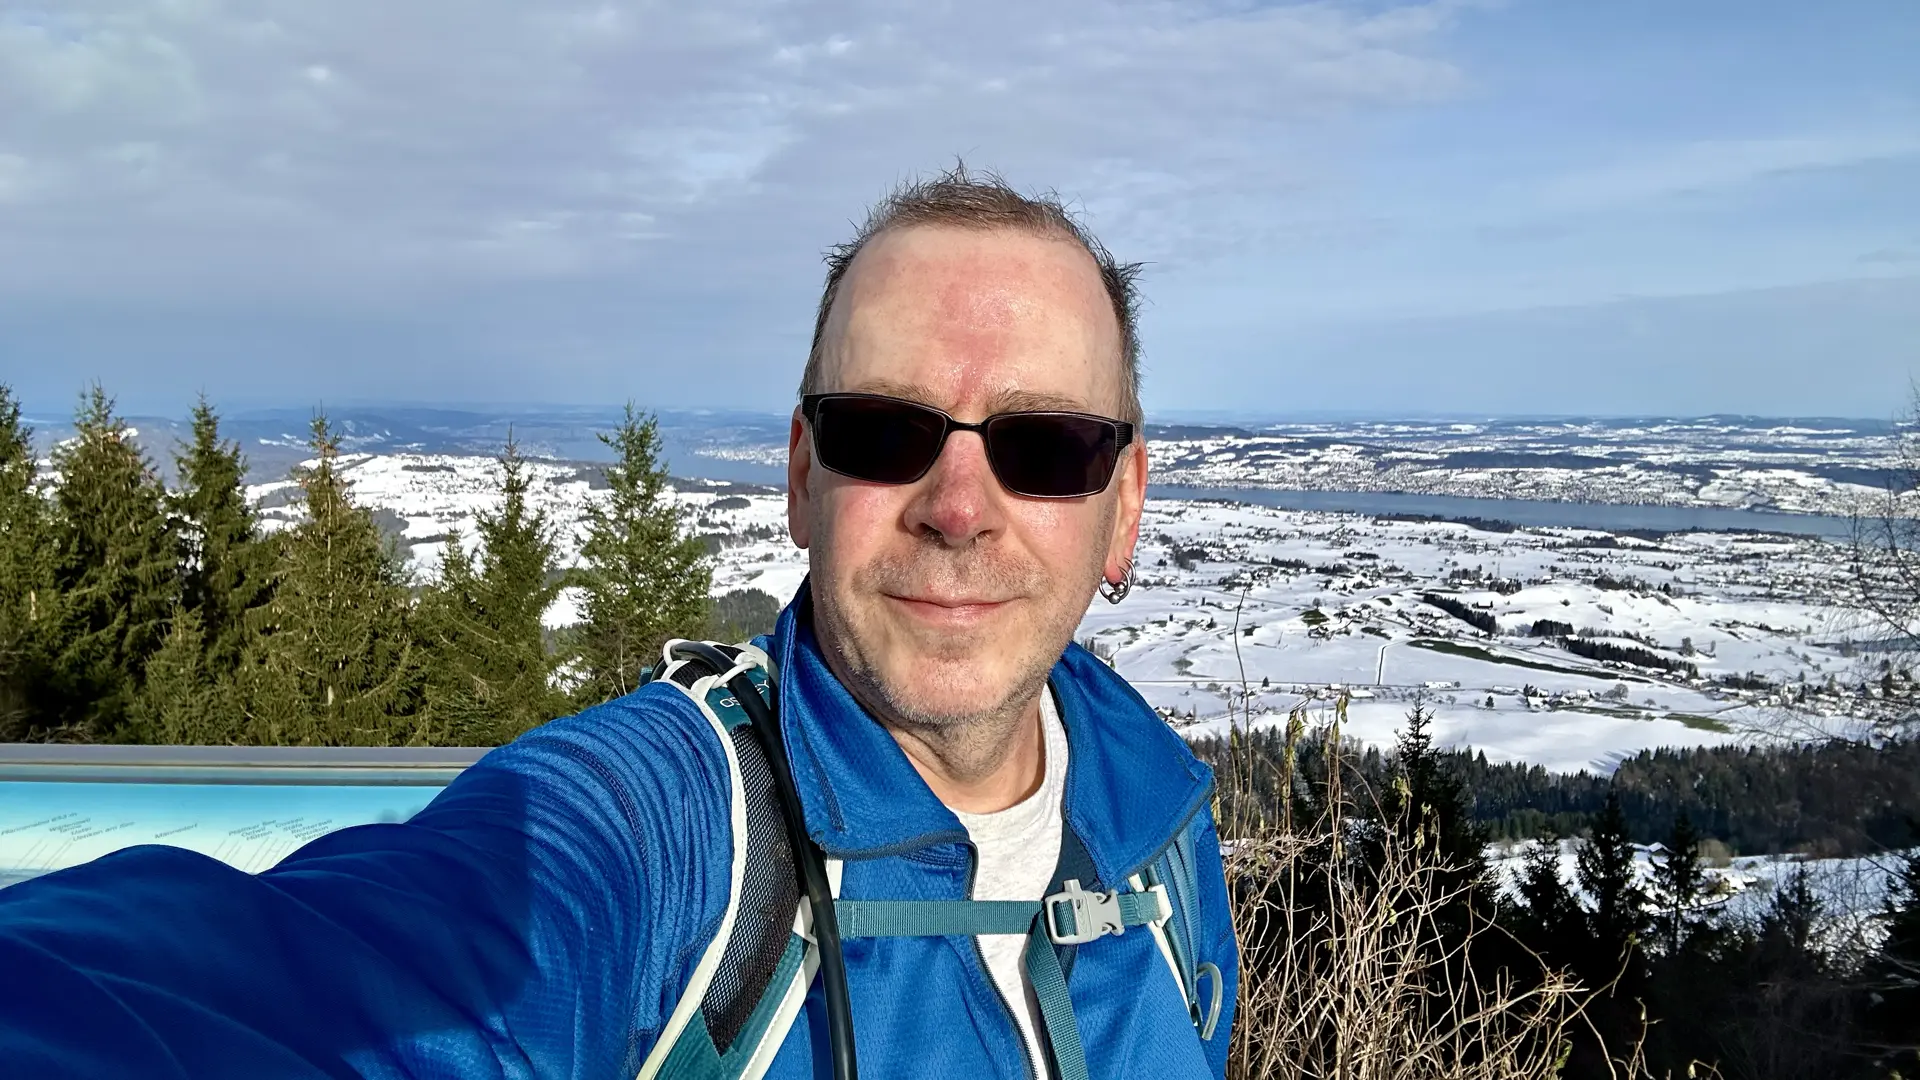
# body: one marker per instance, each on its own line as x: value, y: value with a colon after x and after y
x: 246, y: 806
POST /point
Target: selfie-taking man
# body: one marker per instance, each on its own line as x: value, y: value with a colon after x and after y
x: 1027, y: 875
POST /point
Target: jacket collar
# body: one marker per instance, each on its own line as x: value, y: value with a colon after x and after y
x: 1131, y: 782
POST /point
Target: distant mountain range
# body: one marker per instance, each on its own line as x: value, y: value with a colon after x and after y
x: 275, y: 440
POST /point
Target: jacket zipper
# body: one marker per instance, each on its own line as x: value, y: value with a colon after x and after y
x: 1029, y: 1051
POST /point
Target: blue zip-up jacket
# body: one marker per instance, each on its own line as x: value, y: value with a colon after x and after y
x: 540, y: 917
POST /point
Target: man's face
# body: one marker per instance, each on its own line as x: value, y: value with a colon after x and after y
x: 949, y: 599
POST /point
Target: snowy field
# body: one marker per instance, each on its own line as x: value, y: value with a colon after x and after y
x: 1353, y: 621
x: 1245, y: 610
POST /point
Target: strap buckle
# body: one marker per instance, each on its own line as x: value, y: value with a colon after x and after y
x: 1075, y: 916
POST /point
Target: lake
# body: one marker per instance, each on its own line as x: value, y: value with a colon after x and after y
x: 1607, y: 516
x: 1576, y: 515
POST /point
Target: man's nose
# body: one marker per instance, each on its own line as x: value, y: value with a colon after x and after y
x: 959, y: 499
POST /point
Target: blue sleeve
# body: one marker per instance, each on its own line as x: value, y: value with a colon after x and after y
x: 1217, y: 943
x: 535, y: 920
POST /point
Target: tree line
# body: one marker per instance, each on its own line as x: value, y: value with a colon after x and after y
x: 1627, y: 654
x: 1832, y: 798
x: 1482, y: 621
x: 131, y: 611
x: 1578, y: 643
x: 1674, y: 984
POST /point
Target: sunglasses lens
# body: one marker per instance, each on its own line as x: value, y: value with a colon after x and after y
x: 877, y: 440
x: 1050, y: 455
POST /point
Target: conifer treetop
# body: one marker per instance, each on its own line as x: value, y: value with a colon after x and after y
x: 644, y: 578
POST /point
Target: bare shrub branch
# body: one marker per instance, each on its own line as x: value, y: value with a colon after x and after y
x: 1347, y: 969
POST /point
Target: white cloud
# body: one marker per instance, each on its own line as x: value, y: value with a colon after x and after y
x: 80, y: 69
x: 1713, y: 164
x: 362, y: 144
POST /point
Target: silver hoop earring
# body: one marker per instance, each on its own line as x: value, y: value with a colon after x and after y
x: 1116, y: 591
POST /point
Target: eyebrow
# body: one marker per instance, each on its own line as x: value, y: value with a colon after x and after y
x: 1001, y: 402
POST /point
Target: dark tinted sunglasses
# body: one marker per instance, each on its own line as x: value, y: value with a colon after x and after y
x: 1043, y: 455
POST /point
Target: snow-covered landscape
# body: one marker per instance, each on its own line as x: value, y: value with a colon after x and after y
x: 1813, y: 466
x: 1809, y: 466
x: 1248, y: 610
x: 1242, y: 613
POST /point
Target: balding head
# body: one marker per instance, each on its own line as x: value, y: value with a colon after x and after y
x: 982, y: 202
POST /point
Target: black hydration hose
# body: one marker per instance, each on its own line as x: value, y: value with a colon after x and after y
x: 813, y: 867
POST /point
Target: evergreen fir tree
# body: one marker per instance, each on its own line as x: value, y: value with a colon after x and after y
x: 337, y: 664
x: 182, y: 704
x: 1430, y: 800
x: 1426, y: 803
x: 1606, y: 873
x: 1609, y: 954
x: 1787, y: 927
x: 27, y: 597
x: 645, y: 579
x: 490, y: 673
x: 1795, y: 1010
x: 1548, y: 916
x: 1686, y: 986
x: 1893, y: 979
x: 1679, y: 886
x: 227, y: 566
x: 115, y: 564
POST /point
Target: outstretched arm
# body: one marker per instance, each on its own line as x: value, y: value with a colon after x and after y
x: 537, y: 919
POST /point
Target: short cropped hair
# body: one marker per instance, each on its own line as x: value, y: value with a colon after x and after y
x: 982, y: 200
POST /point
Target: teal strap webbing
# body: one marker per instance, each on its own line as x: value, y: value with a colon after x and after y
x: 940, y: 918
x: 1138, y: 908
x: 1056, y: 1006
x: 1186, y: 884
x: 934, y: 918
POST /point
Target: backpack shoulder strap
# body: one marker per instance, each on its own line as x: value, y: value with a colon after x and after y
x: 750, y: 982
x: 1176, y: 871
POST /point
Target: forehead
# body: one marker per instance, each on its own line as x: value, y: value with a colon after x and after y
x: 976, y: 321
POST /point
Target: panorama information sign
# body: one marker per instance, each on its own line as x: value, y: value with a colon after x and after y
x: 246, y: 806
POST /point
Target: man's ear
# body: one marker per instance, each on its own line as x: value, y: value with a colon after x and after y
x: 1132, y: 483
x: 799, y: 468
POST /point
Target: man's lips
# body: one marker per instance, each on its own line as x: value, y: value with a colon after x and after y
x: 948, y: 608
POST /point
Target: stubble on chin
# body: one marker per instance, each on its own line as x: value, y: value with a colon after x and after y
x: 979, y: 679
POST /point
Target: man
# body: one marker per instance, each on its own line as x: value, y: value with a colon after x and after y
x: 544, y: 914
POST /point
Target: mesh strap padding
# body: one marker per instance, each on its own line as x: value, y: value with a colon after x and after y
x: 688, y: 674
x: 769, y: 899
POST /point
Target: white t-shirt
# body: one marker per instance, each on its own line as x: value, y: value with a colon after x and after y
x: 1019, y: 848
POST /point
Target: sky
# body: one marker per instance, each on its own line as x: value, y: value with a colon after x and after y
x: 1462, y: 206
